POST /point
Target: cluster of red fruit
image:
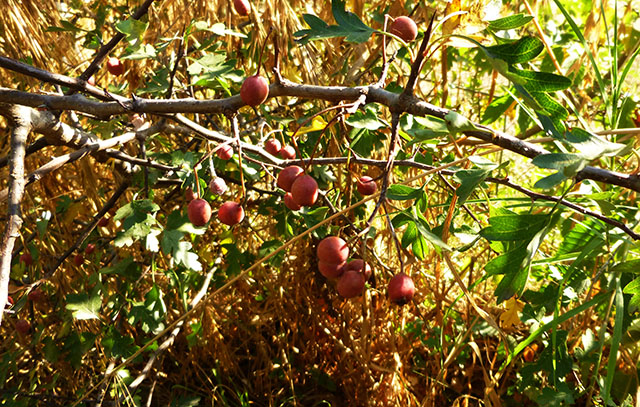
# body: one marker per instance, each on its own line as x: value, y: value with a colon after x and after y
x: 301, y: 189
x: 199, y: 210
x: 333, y: 253
x: 274, y: 147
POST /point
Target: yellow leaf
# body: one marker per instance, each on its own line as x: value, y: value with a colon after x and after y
x: 318, y: 123
x: 509, y: 317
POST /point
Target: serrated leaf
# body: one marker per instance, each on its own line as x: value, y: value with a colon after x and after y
x: 132, y: 29
x: 141, y: 51
x: 84, y: 306
x: 183, y: 255
x: 514, y: 227
x: 523, y: 50
x: 365, y: 120
x: 348, y: 25
x: 510, y: 22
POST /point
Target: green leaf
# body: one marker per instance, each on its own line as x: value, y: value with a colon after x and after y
x: 496, y: 109
x: 550, y: 181
x: 139, y: 222
x: 567, y: 163
x: 629, y: 266
x: 523, y: 50
x: 398, y: 192
x: 535, y: 81
x: 470, y: 179
x: 633, y: 288
x: 510, y: 22
x: 140, y: 51
x: 548, y: 105
x: 348, y: 25
x: 592, y: 146
x: 508, y: 262
x: 150, y: 313
x: 365, y: 120
x: 425, y: 231
x: 132, y: 29
x: 84, y: 306
x: 76, y: 345
x: 514, y: 227
x: 125, y: 267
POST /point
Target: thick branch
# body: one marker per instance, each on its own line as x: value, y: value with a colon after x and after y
x: 18, y: 118
x: 395, y: 102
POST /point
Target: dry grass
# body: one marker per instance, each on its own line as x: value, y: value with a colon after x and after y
x: 282, y: 336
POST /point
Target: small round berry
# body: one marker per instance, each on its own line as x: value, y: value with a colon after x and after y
x: 225, y: 152
x: 272, y: 146
x: 405, y: 28
x: 231, y: 213
x: 287, y: 153
x: 287, y: 176
x: 366, y: 186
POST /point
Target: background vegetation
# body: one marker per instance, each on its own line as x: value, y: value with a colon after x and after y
x: 524, y: 260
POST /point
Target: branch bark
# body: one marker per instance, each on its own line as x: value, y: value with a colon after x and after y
x: 19, y: 120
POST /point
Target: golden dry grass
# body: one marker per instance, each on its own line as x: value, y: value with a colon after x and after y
x: 278, y: 333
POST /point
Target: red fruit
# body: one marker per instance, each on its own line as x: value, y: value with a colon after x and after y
x: 199, y: 212
x: 287, y: 176
x: 92, y: 81
x: 90, y: 248
x: 23, y: 326
x: 333, y: 249
x: 367, y: 186
x: 103, y: 222
x: 330, y: 270
x: 405, y: 28
x: 351, y: 284
x: 254, y: 90
x: 231, y: 213
x: 290, y: 203
x: 35, y: 295
x: 304, y: 190
x: 10, y: 300
x: 26, y: 258
x: 217, y: 186
x: 225, y: 152
x: 360, y: 266
x: 78, y: 260
x: 287, y: 153
x: 272, y: 146
x: 401, y: 289
x: 115, y: 67
x: 242, y: 7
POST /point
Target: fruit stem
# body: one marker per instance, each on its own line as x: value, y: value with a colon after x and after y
x: 264, y: 45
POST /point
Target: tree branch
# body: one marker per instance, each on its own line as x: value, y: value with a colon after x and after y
x: 18, y: 118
